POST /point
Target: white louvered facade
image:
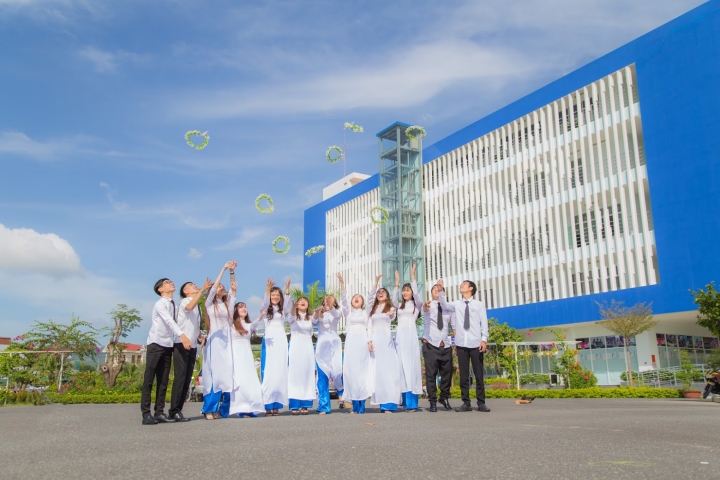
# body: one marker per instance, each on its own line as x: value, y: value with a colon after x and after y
x: 553, y: 205
x: 353, y: 244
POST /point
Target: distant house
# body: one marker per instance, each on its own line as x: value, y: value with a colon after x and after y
x: 4, y: 342
x: 133, y: 352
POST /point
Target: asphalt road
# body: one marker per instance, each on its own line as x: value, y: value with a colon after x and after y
x: 550, y: 438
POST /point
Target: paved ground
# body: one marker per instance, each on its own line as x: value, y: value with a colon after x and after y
x: 550, y: 438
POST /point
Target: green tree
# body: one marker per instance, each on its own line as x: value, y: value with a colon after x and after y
x: 627, y: 322
x: 124, y: 319
x: 79, y: 337
x: 314, y: 293
x: 502, y: 357
x: 708, y: 303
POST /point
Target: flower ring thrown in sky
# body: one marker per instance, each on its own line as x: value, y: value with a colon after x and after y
x: 415, y: 132
x: 353, y: 127
x: 329, y: 156
x: 281, y: 239
x: 205, y: 136
x: 383, y: 217
x: 314, y: 250
x: 269, y: 208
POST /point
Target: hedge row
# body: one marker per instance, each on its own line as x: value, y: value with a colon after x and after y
x: 68, y: 399
x: 592, y: 392
x: 23, y: 397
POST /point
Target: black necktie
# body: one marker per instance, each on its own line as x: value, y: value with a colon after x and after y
x: 439, y: 319
x: 466, y: 325
x: 174, y: 313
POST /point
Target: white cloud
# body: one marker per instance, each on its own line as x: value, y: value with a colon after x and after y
x: 194, y: 254
x: 295, y: 261
x: 107, y: 62
x: 25, y: 250
x: 111, y: 192
x: 19, y: 143
x: 247, y: 236
x: 253, y: 303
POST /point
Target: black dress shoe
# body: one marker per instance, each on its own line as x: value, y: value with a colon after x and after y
x: 162, y: 418
x: 148, y: 420
x: 179, y: 417
x: 483, y: 408
x: 433, y: 407
x: 464, y: 408
x: 445, y: 403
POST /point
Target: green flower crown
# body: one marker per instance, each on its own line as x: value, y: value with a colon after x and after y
x: 334, y: 148
x: 353, y: 127
x: 281, y: 239
x: 385, y: 215
x: 415, y: 132
x: 269, y: 208
x: 314, y: 250
x: 201, y: 134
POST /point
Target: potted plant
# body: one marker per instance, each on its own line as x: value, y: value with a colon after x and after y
x: 685, y: 376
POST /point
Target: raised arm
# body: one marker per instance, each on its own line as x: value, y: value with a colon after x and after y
x: 266, y: 300
x: 371, y: 296
x: 343, y: 296
x: 233, y: 293
x: 447, y: 307
x: 195, y: 298
x: 394, y: 297
x: 416, y: 295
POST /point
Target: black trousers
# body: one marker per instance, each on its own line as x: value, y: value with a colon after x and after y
x: 157, y: 368
x: 465, y: 356
x: 437, y: 360
x: 183, y: 365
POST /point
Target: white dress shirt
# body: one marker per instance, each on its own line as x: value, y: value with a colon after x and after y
x: 189, y: 322
x: 163, y: 323
x: 431, y: 333
x: 478, y: 331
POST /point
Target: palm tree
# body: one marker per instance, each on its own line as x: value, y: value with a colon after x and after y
x: 315, y: 294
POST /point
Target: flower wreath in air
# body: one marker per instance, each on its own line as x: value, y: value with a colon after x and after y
x: 384, y: 217
x: 353, y: 127
x: 281, y: 239
x: 199, y: 133
x: 329, y: 156
x: 269, y: 208
x: 314, y: 250
x: 415, y: 132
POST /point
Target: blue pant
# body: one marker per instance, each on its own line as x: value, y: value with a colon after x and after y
x: 323, y: 386
x: 274, y: 405
x: 243, y: 415
x: 410, y: 400
x: 217, y: 402
x: 298, y: 404
x: 358, y: 406
x: 388, y: 407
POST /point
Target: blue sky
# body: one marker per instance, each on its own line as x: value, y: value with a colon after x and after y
x: 99, y: 194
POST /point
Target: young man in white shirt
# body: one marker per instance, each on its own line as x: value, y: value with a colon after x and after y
x: 471, y: 335
x: 437, y: 351
x: 188, y: 319
x: 159, y: 352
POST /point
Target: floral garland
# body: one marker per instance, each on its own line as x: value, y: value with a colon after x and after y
x: 281, y: 239
x: 353, y: 127
x: 414, y: 132
x: 270, y: 207
x: 385, y: 215
x: 332, y: 149
x: 314, y: 250
x: 197, y: 132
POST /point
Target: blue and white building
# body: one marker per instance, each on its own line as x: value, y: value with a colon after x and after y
x: 603, y: 185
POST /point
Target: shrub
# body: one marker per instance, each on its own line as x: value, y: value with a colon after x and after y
x: 581, y: 377
x: 497, y: 380
x: 95, y: 397
x: 534, y: 378
x: 24, y: 397
x: 592, y: 392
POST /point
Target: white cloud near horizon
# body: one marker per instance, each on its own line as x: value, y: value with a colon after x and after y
x: 194, y: 253
x: 25, y: 250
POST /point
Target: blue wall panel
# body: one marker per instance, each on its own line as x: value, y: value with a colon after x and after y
x: 678, y: 75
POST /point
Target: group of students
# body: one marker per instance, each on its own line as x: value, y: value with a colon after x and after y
x: 373, y: 365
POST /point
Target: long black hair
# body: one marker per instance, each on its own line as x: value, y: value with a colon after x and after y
x: 239, y: 325
x: 402, y: 304
x: 388, y: 303
x: 307, y: 312
x: 270, y: 311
